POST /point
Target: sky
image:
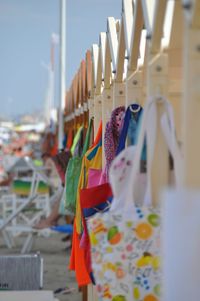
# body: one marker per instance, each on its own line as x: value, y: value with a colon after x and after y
x: 26, y: 27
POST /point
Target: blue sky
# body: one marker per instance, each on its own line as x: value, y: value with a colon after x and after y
x: 25, y: 30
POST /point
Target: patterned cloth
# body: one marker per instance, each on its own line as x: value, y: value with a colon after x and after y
x: 125, y: 255
x: 111, y: 137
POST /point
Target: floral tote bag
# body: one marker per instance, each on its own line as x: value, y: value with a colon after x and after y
x: 125, y: 241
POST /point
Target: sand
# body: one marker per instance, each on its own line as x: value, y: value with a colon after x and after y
x: 56, y: 260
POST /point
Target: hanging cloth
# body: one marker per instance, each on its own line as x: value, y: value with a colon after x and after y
x: 131, y: 127
x: 111, y: 137
x: 77, y: 260
x: 92, y: 159
x: 69, y: 139
x: 73, y: 173
x: 76, y: 139
x: 78, y: 256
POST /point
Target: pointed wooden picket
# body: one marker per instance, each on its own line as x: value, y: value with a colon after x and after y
x: 148, y: 7
x: 113, y: 41
x: 127, y: 13
x: 138, y: 23
x: 120, y: 54
x: 157, y: 26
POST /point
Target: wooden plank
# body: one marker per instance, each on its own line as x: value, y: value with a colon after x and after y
x: 95, y: 54
x: 88, y: 73
x: 191, y: 107
x: 120, y: 54
x: 167, y: 27
x: 99, y: 70
x: 136, y: 37
x: 158, y: 23
x: 102, y: 45
x: 176, y: 36
x: 113, y: 41
x: 118, y: 94
x: 148, y: 8
x: 97, y: 111
x: 107, y: 64
x: 143, y: 44
x: 174, y: 44
x: 196, y: 14
x: 134, y: 91
x: 83, y: 80
x: 127, y: 12
x: 158, y: 85
x: 192, y: 12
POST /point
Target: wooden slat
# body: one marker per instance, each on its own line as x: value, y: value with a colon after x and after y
x: 127, y: 12
x: 99, y: 71
x: 191, y: 107
x: 158, y: 85
x: 136, y: 37
x: 113, y: 41
x: 88, y: 73
x: 158, y: 23
x: 107, y: 72
x: 120, y: 54
x: 95, y: 54
x: 148, y: 7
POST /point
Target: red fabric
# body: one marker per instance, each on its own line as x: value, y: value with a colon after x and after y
x: 69, y: 139
x: 94, y: 196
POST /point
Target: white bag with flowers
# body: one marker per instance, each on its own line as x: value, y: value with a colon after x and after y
x: 125, y: 242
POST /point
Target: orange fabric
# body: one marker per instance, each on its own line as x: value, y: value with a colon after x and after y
x: 77, y: 260
x: 69, y: 139
x: 54, y: 149
x: 98, y: 135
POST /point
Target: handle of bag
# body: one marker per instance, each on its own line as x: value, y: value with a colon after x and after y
x: 124, y: 132
x: 168, y: 128
x: 136, y: 150
x: 149, y: 126
x: 87, y: 137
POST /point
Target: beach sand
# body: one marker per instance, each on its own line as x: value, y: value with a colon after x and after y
x: 56, y: 260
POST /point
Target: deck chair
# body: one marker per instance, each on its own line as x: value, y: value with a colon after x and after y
x: 18, y: 222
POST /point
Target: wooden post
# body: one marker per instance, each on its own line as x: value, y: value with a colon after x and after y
x: 191, y: 98
x: 134, y: 91
x: 97, y: 92
x: 118, y: 94
x: 157, y: 85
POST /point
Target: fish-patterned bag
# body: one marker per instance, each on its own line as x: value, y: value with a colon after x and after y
x: 125, y: 241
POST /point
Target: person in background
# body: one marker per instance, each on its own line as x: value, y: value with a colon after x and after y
x: 56, y: 166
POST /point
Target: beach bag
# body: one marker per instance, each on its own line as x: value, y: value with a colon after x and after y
x: 125, y: 241
x: 130, y: 131
x: 94, y: 176
x: 73, y: 174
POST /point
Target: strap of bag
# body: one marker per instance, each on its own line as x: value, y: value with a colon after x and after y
x: 87, y: 137
x: 124, y: 132
x: 149, y: 126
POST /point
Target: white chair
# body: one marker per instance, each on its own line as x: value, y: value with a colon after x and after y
x: 21, y: 220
